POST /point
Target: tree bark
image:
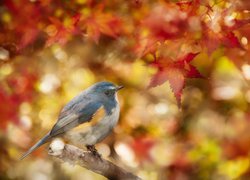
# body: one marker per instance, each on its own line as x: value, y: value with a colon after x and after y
x: 88, y: 160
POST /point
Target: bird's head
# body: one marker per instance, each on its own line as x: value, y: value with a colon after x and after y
x: 105, y: 90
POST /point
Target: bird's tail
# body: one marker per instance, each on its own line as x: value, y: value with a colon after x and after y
x: 37, y: 145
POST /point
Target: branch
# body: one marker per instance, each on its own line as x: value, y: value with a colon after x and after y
x: 74, y: 155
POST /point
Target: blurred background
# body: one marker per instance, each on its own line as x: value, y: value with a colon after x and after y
x: 206, y: 137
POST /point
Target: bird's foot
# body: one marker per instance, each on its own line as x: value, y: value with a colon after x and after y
x: 93, y: 150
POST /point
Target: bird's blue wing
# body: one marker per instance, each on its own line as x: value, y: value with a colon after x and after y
x: 79, y: 110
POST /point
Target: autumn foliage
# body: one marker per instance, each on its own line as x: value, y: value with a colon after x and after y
x: 177, y: 42
x: 203, y: 26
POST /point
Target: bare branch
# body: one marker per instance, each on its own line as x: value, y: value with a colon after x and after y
x: 74, y: 155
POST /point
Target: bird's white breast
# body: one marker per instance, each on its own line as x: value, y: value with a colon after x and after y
x: 99, y: 131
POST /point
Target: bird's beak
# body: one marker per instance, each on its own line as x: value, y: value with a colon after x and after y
x: 119, y: 87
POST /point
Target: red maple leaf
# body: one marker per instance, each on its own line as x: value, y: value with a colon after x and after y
x: 145, y: 45
x: 166, y: 22
x: 175, y: 72
x: 99, y: 22
x: 226, y: 36
x: 230, y: 40
x: 62, y: 33
x: 26, y: 31
x: 237, y: 23
x: 190, y: 6
x: 212, y: 40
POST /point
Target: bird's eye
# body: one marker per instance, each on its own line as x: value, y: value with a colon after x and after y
x: 108, y: 93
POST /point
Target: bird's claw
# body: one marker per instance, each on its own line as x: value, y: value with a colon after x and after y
x: 93, y: 150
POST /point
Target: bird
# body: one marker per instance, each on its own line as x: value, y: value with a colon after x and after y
x: 83, y: 109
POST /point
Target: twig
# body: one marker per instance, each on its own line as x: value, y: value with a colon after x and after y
x: 74, y: 155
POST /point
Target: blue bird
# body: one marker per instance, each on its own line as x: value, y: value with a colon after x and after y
x: 84, y: 109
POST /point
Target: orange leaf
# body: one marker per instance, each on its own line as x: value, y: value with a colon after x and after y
x: 166, y: 22
x: 101, y: 23
x: 175, y: 72
x: 62, y: 34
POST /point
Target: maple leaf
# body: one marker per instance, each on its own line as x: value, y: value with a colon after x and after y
x: 230, y: 40
x: 223, y: 34
x: 26, y: 31
x: 175, y: 78
x: 237, y: 23
x: 61, y: 33
x: 166, y: 22
x: 145, y: 45
x: 175, y: 72
x: 28, y: 37
x: 212, y: 40
x: 190, y: 6
x: 98, y: 23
